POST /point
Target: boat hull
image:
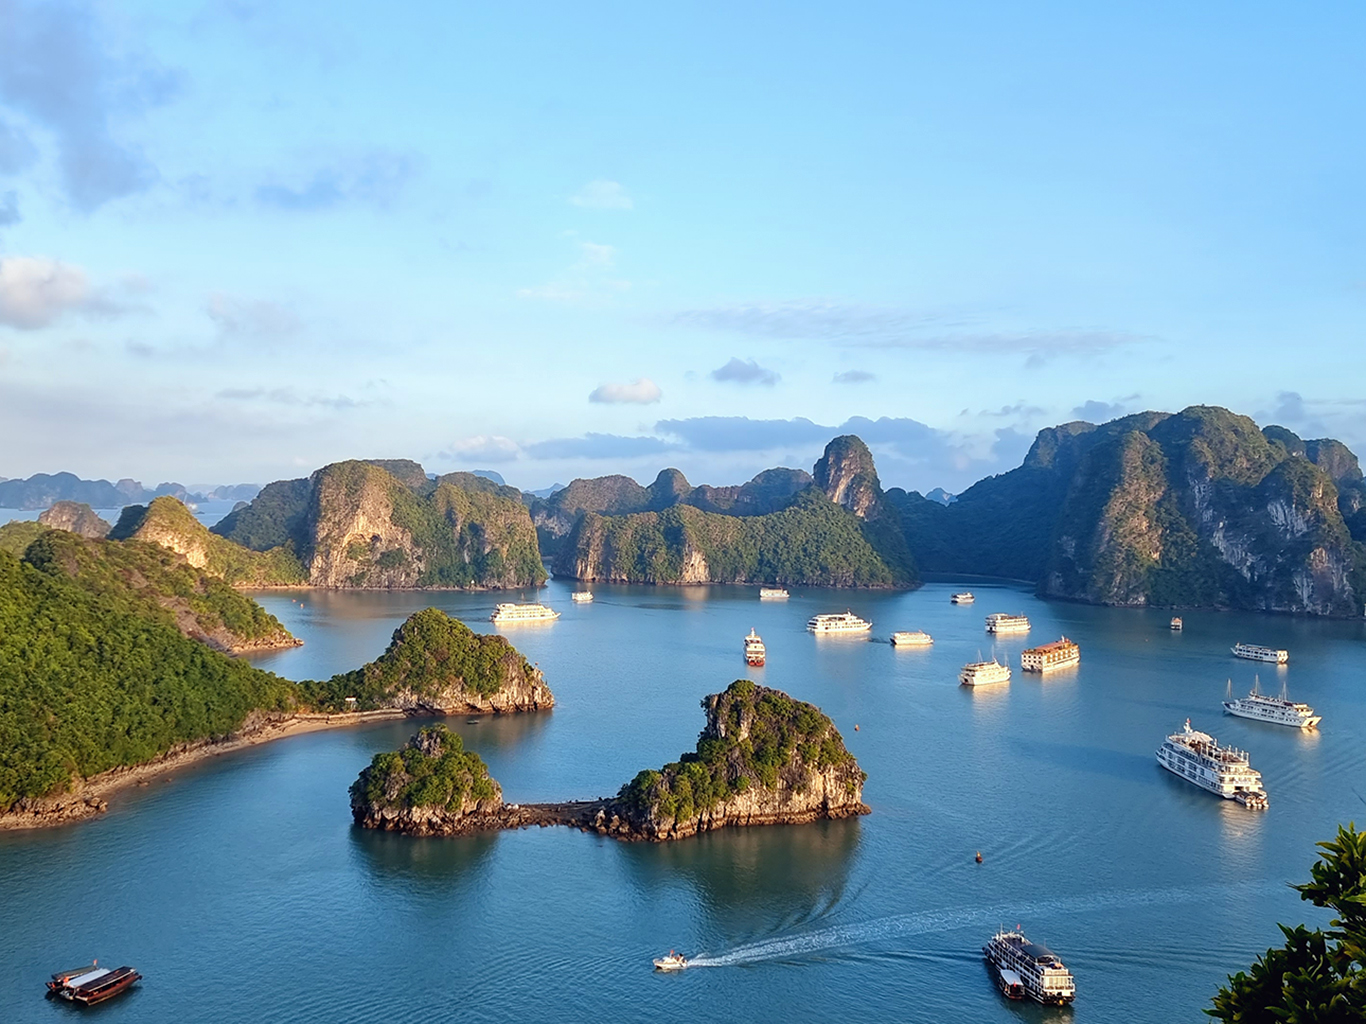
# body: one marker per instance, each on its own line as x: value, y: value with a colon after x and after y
x: 1310, y: 722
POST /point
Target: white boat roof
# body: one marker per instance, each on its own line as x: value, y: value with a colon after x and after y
x: 1010, y: 977
x: 87, y: 978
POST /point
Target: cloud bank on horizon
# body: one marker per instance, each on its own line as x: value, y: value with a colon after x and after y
x: 238, y: 241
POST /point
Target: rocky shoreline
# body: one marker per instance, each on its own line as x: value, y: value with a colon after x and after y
x: 763, y: 759
x: 90, y: 797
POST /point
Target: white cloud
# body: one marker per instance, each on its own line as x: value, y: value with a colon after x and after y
x: 745, y: 371
x: 854, y: 377
x: 258, y: 317
x: 603, y: 195
x: 483, y: 448
x: 642, y: 391
x: 35, y: 291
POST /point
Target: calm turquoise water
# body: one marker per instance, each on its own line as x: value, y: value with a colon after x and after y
x: 242, y: 891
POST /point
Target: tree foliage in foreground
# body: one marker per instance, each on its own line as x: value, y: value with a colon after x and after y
x: 1317, y: 977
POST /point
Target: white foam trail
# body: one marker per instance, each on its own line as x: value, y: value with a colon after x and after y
x: 948, y: 918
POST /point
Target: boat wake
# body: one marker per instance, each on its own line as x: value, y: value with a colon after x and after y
x: 949, y: 918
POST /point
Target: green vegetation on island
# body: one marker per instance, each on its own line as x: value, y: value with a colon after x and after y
x: 754, y: 737
x: 1199, y: 508
x: 434, y: 661
x: 91, y: 678
x: 357, y: 524
x: 433, y: 770
x: 1317, y: 977
x: 169, y: 523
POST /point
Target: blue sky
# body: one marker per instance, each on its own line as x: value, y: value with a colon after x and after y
x: 239, y: 240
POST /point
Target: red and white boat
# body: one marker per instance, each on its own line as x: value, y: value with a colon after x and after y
x: 754, y: 649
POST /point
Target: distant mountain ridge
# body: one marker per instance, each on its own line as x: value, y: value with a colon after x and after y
x: 42, y: 490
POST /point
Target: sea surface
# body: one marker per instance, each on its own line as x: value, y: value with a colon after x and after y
x: 242, y: 891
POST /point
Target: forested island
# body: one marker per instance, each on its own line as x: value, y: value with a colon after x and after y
x: 117, y: 653
x: 763, y: 758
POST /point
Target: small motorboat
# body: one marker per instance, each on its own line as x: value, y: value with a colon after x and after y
x: 672, y: 962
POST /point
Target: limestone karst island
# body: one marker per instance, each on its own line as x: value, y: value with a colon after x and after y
x: 574, y: 513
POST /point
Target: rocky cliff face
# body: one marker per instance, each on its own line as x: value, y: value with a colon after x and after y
x: 437, y: 665
x: 847, y: 476
x: 840, y: 533
x: 1195, y: 509
x: 356, y: 524
x: 814, y: 542
x: 556, y: 516
x: 763, y: 759
x: 168, y: 523
x: 1202, y: 508
x: 74, y: 517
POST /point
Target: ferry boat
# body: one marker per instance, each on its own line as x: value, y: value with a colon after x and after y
x: 1255, y: 653
x: 1198, y: 758
x: 1058, y: 654
x: 1000, y: 622
x: 92, y: 984
x: 843, y: 622
x: 964, y: 598
x: 912, y: 638
x: 672, y: 962
x: 754, y: 649
x: 1030, y: 968
x: 1276, y: 710
x: 772, y: 594
x: 508, y: 612
x: 1177, y: 624
x: 984, y: 673
x: 582, y: 597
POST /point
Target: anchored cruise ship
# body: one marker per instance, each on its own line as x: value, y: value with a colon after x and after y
x: 754, y: 649
x: 1255, y: 653
x: 1029, y: 966
x: 1000, y: 622
x: 582, y: 597
x: 508, y: 612
x: 1058, y: 654
x: 984, y: 673
x: 844, y: 622
x: 964, y: 598
x: 1198, y: 758
x: 1276, y: 710
x: 772, y: 594
x: 912, y: 638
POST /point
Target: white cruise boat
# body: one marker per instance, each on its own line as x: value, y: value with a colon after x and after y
x: 1031, y: 966
x: 984, y: 673
x: 755, y: 653
x: 964, y: 598
x: 1000, y: 622
x: 1276, y: 710
x: 772, y: 594
x: 1059, y: 654
x: 843, y: 622
x: 506, y: 613
x: 1255, y: 653
x: 582, y: 597
x: 1198, y: 758
x: 912, y: 638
